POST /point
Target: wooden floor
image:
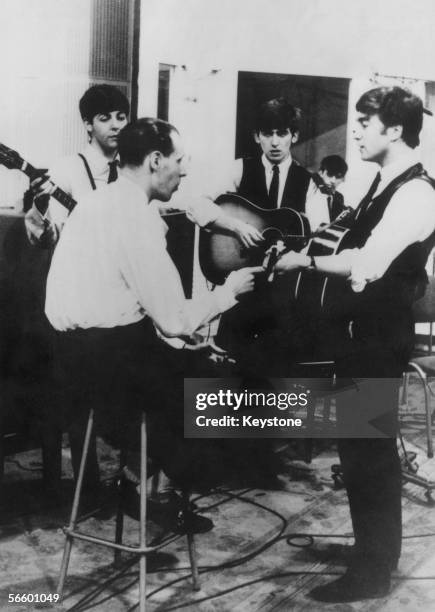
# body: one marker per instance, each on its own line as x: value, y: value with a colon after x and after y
x: 253, y: 560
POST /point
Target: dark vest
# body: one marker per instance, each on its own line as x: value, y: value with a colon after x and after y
x: 253, y: 185
x: 384, y: 307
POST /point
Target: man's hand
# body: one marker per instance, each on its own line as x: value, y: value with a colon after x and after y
x: 243, y: 280
x: 291, y: 261
x: 248, y: 235
x: 41, y: 188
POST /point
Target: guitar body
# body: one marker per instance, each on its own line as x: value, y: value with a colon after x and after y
x: 315, y: 292
x: 220, y: 254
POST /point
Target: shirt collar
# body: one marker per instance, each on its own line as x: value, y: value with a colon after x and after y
x: 391, y: 171
x: 96, y: 160
x: 283, y: 166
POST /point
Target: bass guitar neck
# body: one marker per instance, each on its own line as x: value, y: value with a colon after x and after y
x: 12, y: 160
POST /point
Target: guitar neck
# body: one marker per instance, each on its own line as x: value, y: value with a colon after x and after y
x: 58, y: 194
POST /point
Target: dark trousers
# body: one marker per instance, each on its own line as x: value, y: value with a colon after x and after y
x: 372, y: 476
x: 371, y: 466
x: 120, y: 372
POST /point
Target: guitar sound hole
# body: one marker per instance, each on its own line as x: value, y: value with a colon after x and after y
x: 271, y: 235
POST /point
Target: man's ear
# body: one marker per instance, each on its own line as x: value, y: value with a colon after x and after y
x: 295, y: 137
x: 256, y: 136
x: 155, y: 160
x: 395, y: 132
x: 89, y: 128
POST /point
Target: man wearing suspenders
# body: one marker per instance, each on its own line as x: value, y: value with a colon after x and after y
x: 104, y: 110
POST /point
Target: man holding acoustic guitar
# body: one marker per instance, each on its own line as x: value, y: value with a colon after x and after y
x: 383, y: 266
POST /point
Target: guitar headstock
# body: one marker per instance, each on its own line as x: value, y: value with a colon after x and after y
x: 10, y: 158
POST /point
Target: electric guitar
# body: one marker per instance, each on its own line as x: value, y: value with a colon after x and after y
x: 221, y: 253
x: 12, y: 160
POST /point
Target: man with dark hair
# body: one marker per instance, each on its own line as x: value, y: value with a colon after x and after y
x: 395, y: 105
x: 384, y: 264
x: 272, y: 179
x: 324, y: 203
x: 112, y: 282
x: 104, y: 110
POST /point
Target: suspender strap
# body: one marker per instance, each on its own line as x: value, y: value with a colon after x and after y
x: 88, y: 170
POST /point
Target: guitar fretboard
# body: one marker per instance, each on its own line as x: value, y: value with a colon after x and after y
x: 58, y: 193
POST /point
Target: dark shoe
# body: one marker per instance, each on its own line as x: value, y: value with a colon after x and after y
x: 353, y: 586
x: 172, y: 515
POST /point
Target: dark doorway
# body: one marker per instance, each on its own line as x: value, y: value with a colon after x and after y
x: 324, y: 104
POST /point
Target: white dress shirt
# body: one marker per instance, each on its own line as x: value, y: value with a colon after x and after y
x: 111, y: 268
x: 69, y: 174
x: 316, y: 206
x: 284, y: 167
x: 408, y: 218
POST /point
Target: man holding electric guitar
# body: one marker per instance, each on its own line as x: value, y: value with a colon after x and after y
x: 104, y: 110
x: 383, y: 266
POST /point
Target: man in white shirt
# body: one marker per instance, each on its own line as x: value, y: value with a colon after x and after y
x: 111, y: 279
x: 104, y: 110
x: 389, y: 242
x: 324, y: 203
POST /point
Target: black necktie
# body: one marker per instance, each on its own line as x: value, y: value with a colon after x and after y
x: 366, y: 201
x: 330, y: 199
x: 274, y: 187
x: 113, y: 171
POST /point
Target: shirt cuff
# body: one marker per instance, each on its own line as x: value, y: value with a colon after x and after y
x: 225, y: 298
x: 203, y: 211
x: 358, y: 275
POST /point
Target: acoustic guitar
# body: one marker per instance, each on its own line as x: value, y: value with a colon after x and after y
x: 314, y: 291
x: 221, y: 253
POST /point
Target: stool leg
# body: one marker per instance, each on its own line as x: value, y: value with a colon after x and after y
x: 142, y: 515
x: 75, y: 506
x: 428, y: 417
x: 191, y: 548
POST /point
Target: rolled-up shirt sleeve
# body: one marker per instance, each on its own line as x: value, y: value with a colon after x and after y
x: 151, y: 274
x: 201, y: 209
x: 409, y: 218
x: 45, y: 229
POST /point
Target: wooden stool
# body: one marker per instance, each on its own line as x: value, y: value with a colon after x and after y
x: 142, y: 549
